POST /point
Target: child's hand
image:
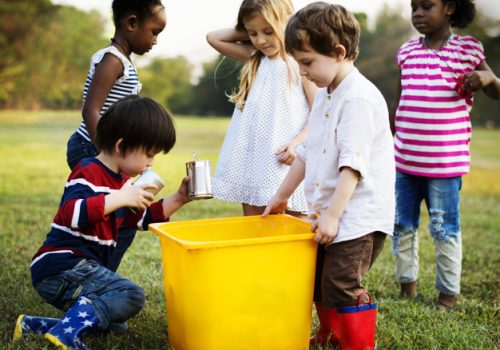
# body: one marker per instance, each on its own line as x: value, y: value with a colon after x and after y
x: 288, y: 153
x: 173, y: 202
x: 137, y: 196
x: 476, y: 80
x: 277, y: 205
x: 183, y: 191
x: 129, y: 196
x: 325, y: 226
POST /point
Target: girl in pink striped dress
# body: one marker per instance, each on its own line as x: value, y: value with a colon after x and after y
x: 440, y: 72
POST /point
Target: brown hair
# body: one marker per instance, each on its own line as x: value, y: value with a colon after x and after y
x: 276, y: 13
x: 322, y: 26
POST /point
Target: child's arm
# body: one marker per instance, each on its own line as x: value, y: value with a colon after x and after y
x: 277, y: 204
x: 394, y: 107
x: 176, y: 200
x: 288, y: 157
x: 327, y: 225
x: 310, y: 89
x: 128, y: 196
x: 483, y: 78
x: 231, y: 43
x: 106, y: 73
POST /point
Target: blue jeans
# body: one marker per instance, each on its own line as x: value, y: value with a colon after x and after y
x: 77, y: 149
x: 441, y: 196
x: 114, y: 298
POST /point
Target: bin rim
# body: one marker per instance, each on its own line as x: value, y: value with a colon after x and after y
x: 200, y: 244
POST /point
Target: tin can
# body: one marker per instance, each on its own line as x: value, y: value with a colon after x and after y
x: 149, y: 176
x: 200, y: 179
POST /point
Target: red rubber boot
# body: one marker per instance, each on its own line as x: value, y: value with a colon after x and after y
x: 329, y: 327
x: 358, y: 325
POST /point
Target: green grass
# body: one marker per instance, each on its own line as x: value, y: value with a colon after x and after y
x: 33, y: 170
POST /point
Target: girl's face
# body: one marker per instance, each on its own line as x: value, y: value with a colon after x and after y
x: 135, y: 161
x: 146, y: 33
x: 431, y: 16
x: 262, y: 35
x: 320, y: 69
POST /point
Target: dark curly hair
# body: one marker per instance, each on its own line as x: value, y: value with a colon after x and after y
x: 465, y: 11
x: 140, y: 122
x: 141, y: 8
x: 322, y: 26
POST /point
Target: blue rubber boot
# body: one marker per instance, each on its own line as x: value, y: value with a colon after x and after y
x: 79, y: 319
x: 26, y: 324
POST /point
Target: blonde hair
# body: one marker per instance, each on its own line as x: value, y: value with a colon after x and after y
x: 276, y: 13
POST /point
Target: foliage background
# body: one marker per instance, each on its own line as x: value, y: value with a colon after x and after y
x: 46, y: 50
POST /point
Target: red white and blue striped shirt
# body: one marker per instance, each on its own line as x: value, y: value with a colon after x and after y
x: 433, y: 128
x: 80, y: 229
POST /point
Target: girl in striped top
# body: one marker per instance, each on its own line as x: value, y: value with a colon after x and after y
x: 111, y: 77
x: 440, y: 72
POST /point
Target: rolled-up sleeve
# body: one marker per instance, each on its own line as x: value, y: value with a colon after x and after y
x: 355, y: 133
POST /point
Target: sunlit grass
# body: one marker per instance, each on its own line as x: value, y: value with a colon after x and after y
x: 33, y: 170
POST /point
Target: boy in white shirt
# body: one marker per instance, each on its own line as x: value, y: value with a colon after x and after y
x: 347, y: 163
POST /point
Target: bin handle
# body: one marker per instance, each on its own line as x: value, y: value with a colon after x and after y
x: 361, y: 297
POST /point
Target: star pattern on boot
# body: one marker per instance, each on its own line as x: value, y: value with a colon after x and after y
x: 68, y: 330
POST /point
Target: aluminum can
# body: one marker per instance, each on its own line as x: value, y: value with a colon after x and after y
x: 200, y: 179
x: 149, y: 176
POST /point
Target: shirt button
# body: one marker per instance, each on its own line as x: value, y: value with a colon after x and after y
x: 327, y: 115
x: 324, y: 150
x: 328, y: 97
x: 316, y: 184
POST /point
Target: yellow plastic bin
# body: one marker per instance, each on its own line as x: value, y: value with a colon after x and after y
x: 238, y: 283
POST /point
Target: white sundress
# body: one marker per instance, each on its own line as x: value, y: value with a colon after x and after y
x: 276, y: 111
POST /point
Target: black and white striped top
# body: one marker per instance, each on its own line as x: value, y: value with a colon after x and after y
x: 126, y: 85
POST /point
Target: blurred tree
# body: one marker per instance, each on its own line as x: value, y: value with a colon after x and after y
x: 168, y: 80
x: 46, y: 64
x: 220, y: 77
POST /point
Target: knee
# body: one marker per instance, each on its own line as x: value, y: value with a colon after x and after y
x: 137, y: 298
x: 401, y: 234
x: 438, y: 228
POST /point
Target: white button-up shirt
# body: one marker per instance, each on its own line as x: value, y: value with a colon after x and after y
x: 350, y: 128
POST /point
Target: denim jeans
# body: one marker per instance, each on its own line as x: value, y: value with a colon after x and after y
x: 114, y: 298
x: 77, y: 149
x: 441, y: 196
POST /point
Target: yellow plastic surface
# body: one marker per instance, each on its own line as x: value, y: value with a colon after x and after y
x: 238, y: 283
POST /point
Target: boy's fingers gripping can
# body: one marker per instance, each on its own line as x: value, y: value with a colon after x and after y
x: 200, y: 179
x: 149, y: 176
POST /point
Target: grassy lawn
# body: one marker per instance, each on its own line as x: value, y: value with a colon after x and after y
x: 33, y: 170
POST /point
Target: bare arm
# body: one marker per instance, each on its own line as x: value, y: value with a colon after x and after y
x: 309, y: 89
x: 105, y: 76
x: 288, y: 150
x: 484, y: 79
x: 277, y: 204
x: 394, y: 106
x: 231, y: 43
x: 327, y: 225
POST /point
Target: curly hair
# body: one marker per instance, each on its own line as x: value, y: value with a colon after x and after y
x: 141, y: 8
x: 465, y: 11
x: 322, y: 26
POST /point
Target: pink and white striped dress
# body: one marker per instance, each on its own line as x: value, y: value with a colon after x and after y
x: 433, y: 128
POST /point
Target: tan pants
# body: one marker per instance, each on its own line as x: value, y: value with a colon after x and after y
x: 341, y: 266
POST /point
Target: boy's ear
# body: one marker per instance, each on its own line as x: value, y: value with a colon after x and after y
x: 117, y: 146
x: 340, y: 51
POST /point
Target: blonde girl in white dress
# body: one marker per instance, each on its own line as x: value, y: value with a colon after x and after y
x: 272, y: 107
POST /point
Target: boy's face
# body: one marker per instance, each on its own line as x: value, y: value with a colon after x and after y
x: 136, y: 161
x: 318, y: 68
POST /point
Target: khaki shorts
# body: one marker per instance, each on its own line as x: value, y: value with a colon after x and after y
x: 341, y: 266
